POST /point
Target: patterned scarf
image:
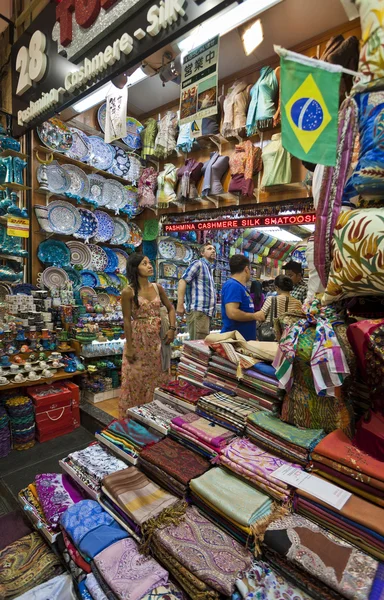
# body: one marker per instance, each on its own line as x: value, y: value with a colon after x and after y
x: 328, y: 363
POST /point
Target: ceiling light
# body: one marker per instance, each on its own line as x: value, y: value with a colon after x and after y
x: 310, y: 228
x: 225, y: 22
x: 252, y: 37
x: 280, y: 234
x: 102, y: 92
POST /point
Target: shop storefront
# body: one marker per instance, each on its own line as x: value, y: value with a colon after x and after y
x: 144, y: 134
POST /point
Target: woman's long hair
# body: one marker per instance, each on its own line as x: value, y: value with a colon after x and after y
x: 133, y: 274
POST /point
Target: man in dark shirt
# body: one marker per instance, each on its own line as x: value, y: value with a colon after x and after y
x: 294, y: 270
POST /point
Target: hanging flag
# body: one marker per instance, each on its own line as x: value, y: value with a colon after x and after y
x: 116, y: 115
x: 309, y: 115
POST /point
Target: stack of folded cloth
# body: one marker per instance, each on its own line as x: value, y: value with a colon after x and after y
x: 137, y: 497
x: 262, y: 583
x: 5, y: 433
x: 22, y: 416
x: 90, y: 589
x: 204, y: 560
x: 256, y: 465
x: 258, y: 384
x: 233, y: 504
x: 194, y: 361
x: 180, y: 392
x: 56, y: 493
x: 31, y: 503
x: 172, y: 465
x: 358, y: 521
x: 90, y: 528
x: 228, y: 411
x: 338, y: 460
x: 129, y: 436
x: 156, y: 414
x: 323, y: 565
x: 287, y: 441
x: 200, y: 435
x: 92, y: 464
x: 220, y: 383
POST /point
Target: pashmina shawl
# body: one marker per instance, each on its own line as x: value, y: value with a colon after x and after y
x: 94, y: 588
x: 165, y: 141
x: 204, y: 430
x: 262, y: 583
x: 334, y: 562
x: 159, y: 476
x: 60, y: 587
x: 207, y: 552
x: 263, y: 94
x: 155, y: 412
x: 139, y: 497
x: 304, y: 438
x: 176, y: 460
x: 148, y: 136
x: 134, y: 432
x: 25, y: 564
x: 56, y: 494
x: 129, y: 574
x: 184, y: 390
x: 75, y: 554
x: 97, y: 461
x: 146, y: 188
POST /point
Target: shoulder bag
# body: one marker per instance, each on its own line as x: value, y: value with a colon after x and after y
x: 266, y: 329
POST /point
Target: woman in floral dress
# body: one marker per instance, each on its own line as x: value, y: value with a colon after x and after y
x: 142, y: 369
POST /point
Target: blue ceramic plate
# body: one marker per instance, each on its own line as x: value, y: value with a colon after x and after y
x: 106, y: 226
x: 113, y: 263
x: 89, y: 224
x: 89, y: 278
x: 63, y: 217
x: 74, y: 276
x: 102, y: 154
x: 101, y: 116
x: 81, y: 147
x: 54, y: 252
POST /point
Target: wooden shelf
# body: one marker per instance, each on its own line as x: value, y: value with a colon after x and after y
x: 14, y: 186
x: 56, y: 377
x: 10, y: 152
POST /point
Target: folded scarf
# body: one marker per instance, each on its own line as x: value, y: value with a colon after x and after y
x: 134, y: 432
x: 305, y: 438
x: 204, y: 430
x: 97, y: 461
x: 56, y: 493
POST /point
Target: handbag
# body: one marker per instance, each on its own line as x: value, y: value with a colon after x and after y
x: 266, y: 329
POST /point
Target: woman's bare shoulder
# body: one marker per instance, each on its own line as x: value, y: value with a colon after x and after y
x: 127, y: 292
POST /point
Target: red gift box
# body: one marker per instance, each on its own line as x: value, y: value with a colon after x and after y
x: 58, y: 396
x: 51, y: 420
x: 50, y: 435
x: 75, y: 402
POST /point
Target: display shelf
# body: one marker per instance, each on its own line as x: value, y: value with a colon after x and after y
x: 14, y: 186
x: 39, y: 525
x: 19, y: 259
x: 49, y: 380
x: 9, y: 152
x: 120, y: 453
x: 67, y: 469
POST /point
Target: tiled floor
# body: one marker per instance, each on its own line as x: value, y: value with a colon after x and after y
x: 110, y: 406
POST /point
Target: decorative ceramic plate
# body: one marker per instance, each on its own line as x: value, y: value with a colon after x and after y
x: 87, y: 293
x: 22, y: 288
x: 151, y: 230
x: 102, y: 154
x: 189, y: 254
x: 80, y: 254
x: 55, y: 135
x: 122, y: 258
x: 101, y: 114
x: 79, y: 186
x: 121, y: 163
x: 167, y: 249
x: 96, y: 186
x: 113, y: 262
x: 103, y: 299
x: 99, y: 258
x: 115, y: 193
x: 54, y: 252
x: 58, y: 179
x: 121, y: 232
x: 73, y: 276
x: 112, y: 291
x: 114, y: 280
x: 63, y: 217
x: 133, y: 137
x: 53, y: 277
x: 135, y: 235
x: 123, y: 280
x: 168, y: 269
x: 180, y: 251
x: 135, y: 169
x: 5, y: 290
x: 81, y: 146
x: 41, y: 213
x: 103, y: 279
x: 89, y: 224
x: 106, y: 226
x: 89, y: 278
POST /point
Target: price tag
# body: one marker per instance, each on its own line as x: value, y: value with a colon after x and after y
x: 18, y: 227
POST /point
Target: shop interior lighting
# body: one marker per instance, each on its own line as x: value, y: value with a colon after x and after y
x: 280, y: 234
x: 224, y: 23
x: 100, y: 94
x: 310, y: 228
x: 252, y: 37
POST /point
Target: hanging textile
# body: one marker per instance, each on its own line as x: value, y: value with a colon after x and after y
x: 262, y: 105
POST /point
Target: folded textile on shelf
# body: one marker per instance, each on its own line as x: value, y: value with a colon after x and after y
x: 184, y: 391
x: 136, y: 495
x: 95, y: 462
x: 90, y: 527
x: 207, y: 432
x: 26, y: 564
x: 176, y: 461
x: 56, y: 493
x: 311, y: 549
x: 256, y: 465
x: 233, y: 347
x: 197, y: 350
x: 29, y: 495
x: 204, y: 560
x: 59, y: 587
x: 287, y: 441
x: 94, y: 588
x: 358, y: 521
x: 127, y: 572
x: 229, y: 411
x: 262, y: 583
x: 117, y: 513
x: 156, y: 414
x: 130, y: 436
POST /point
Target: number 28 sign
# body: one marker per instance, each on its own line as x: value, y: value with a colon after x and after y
x: 31, y: 62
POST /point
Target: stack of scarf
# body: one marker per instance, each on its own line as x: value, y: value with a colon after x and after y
x: 181, y: 392
x: 229, y: 411
x: 31, y: 503
x: 233, y: 504
x: 129, y: 436
x: 256, y: 466
x: 337, y: 459
x: 262, y: 583
x: 194, y: 361
x: 92, y: 464
x: 172, y: 465
x: 199, y: 434
x: 204, y: 560
x: 56, y: 493
x: 155, y: 414
x: 285, y: 440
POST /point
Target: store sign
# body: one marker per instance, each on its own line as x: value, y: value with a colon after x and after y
x: 75, y: 47
x: 199, y: 82
x: 17, y: 227
x: 278, y: 220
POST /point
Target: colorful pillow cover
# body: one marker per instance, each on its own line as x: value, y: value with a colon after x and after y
x: 371, y: 62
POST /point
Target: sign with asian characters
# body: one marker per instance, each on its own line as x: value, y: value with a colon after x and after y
x: 116, y: 115
x: 199, y: 82
x: 18, y: 227
x: 269, y: 221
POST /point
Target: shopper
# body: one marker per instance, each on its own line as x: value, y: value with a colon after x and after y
x: 197, y: 288
x: 142, y: 369
x: 284, y: 301
x: 237, y: 308
x: 294, y: 270
x: 256, y: 291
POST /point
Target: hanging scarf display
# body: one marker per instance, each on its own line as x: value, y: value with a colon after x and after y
x: 262, y: 105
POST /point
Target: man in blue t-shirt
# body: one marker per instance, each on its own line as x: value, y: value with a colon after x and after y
x: 237, y: 308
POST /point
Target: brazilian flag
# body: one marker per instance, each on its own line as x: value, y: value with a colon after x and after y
x: 309, y: 111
